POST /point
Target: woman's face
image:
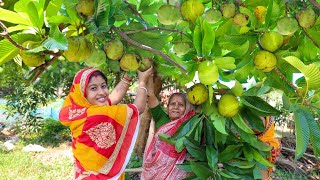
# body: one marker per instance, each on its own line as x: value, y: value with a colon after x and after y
x: 97, y: 91
x: 176, y: 107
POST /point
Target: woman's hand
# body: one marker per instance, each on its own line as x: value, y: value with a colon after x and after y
x: 144, y: 76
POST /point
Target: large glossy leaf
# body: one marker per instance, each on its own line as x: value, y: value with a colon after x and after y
x: 194, y: 149
x: 212, y: 156
x: 230, y: 152
x: 261, y: 159
x: 197, y: 39
x: 56, y: 40
x: 311, y: 72
x: 186, y: 127
x: 228, y: 175
x: 225, y: 63
x: 13, y: 17
x: 237, y: 119
x: 53, y: 8
x: 8, y: 51
x: 239, y: 51
x: 202, y: 171
x: 253, y: 120
x: 252, y: 140
x: 302, y: 131
x: 219, y: 122
x: 314, y: 129
x: 257, y: 104
x: 208, y: 37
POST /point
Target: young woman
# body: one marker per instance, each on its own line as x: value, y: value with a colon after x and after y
x: 103, y: 131
x: 160, y: 158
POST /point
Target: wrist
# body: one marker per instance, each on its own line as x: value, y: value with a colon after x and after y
x: 127, y: 78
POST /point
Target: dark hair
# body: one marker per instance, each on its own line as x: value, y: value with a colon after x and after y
x: 98, y: 73
x: 183, y: 95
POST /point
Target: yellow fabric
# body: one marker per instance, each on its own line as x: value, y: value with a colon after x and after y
x: 119, y: 114
x: 122, y: 177
x: 85, y: 153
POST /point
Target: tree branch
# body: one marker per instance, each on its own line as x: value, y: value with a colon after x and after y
x: 6, y: 35
x: 134, y: 10
x: 155, y: 28
x: 39, y: 70
x: 131, y: 41
x: 307, y: 34
x: 290, y: 83
x: 315, y: 4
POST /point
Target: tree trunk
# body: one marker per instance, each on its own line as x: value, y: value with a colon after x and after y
x: 145, y: 119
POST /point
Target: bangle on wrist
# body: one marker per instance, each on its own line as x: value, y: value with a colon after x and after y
x: 125, y: 81
x: 144, y: 89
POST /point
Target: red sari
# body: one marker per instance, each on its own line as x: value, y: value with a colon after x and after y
x: 160, y: 158
x: 103, y: 137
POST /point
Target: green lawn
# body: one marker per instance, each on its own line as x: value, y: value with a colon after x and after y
x: 52, y: 164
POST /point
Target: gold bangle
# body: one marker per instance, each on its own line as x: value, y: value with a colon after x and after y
x: 125, y: 82
x: 144, y: 89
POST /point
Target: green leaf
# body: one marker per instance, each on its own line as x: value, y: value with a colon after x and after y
x: 18, y: 28
x: 58, y: 19
x: 314, y: 129
x: 70, y: 7
x: 194, y: 149
x: 8, y: 51
x: 252, y: 140
x: 56, y: 40
x: 259, y: 158
x: 53, y: 8
x: 224, y: 27
x: 166, y: 138
x: 230, y: 152
x: 34, y: 16
x: 311, y: 72
x: 228, y: 175
x: 212, y: 156
x: 180, y: 144
x: 242, y: 164
x: 186, y: 166
x: 237, y: 119
x: 219, y: 122
x: 208, y: 38
x: 247, y: 152
x: 13, y: 17
x: 186, y: 127
x: 225, y: 63
x: 256, y: 103
x: 202, y: 171
x: 197, y: 39
x: 239, y: 51
x: 253, y: 120
x: 302, y: 131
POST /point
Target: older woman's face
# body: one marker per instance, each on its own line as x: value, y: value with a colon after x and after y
x: 176, y: 107
x: 97, y: 91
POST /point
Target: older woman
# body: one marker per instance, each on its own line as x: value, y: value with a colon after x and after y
x: 103, y: 132
x: 160, y: 158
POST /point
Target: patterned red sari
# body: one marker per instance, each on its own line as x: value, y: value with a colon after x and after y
x: 103, y: 137
x: 160, y: 158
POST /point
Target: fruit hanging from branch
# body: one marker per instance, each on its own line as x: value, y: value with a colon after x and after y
x: 271, y: 41
x: 228, y: 10
x: 168, y: 14
x: 228, y: 105
x: 265, y: 61
x: 197, y: 94
x: 114, y: 49
x: 79, y: 49
x: 306, y: 18
x: 191, y: 10
x: 129, y: 62
x: 31, y: 59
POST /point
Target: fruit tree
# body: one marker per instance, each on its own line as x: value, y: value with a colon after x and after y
x: 239, y: 50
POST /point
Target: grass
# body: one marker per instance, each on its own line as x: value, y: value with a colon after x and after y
x: 51, y: 164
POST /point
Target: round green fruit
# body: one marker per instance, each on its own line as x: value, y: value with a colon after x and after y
x: 192, y: 9
x: 228, y: 105
x: 306, y: 18
x: 181, y: 48
x: 271, y: 41
x: 29, y: 59
x: 114, y: 49
x: 168, y: 14
x: 208, y: 72
x: 97, y: 58
x: 240, y: 19
x: 260, y: 13
x: 197, y: 94
x: 265, y: 61
x: 79, y: 49
x: 85, y: 8
x: 212, y: 16
x: 145, y: 64
x: 228, y: 10
x: 287, y: 25
x: 129, y: 62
